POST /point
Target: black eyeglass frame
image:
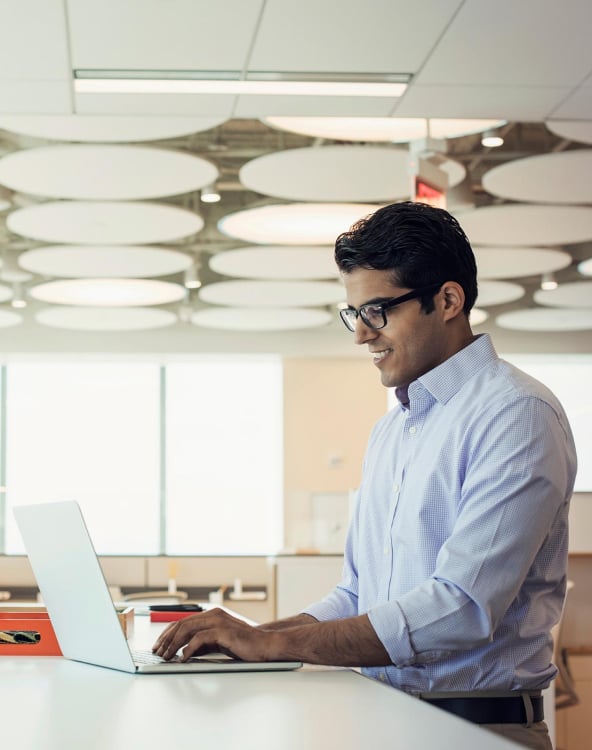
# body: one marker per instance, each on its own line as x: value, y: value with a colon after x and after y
x: 350, y: 323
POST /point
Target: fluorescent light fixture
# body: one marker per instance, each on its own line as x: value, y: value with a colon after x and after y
x: 231, y: 83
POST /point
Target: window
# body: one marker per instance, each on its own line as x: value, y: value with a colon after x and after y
x: 224, y: 457
x: 569, y: 377
x: 178, y: 459
x: 88, y: 432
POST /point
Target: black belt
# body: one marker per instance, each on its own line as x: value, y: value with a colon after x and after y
x: 509, y: 710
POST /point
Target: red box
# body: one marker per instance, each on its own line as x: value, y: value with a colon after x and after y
x: 36, y: 622
x: 170, y: 616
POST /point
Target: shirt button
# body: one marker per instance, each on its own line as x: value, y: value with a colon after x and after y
x: 396, y: 488
x: 412, y: 430
x: 382, y: 677
x: 386, y: 550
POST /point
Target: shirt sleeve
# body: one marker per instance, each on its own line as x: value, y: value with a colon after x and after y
x: 516, y: 481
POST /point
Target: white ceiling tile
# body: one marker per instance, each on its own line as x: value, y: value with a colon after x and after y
x: 577, y: 106
x: 527, y: 103
x: 346, y: 35
x: 36, y: 97
x: 34, y: 45
x: 531, y: 42
x: 313, y: 106
x: 151, y: 34
x: 154, y: 104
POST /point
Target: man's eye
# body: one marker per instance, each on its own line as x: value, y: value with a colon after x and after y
x: 374, y: 311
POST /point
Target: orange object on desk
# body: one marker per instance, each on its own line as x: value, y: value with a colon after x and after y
x: 29, y: 622
x: 169, y: 616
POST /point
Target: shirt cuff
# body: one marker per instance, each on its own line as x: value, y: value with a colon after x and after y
x: 390, y: 626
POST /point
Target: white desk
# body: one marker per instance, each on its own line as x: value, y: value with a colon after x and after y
x: 49, y: 703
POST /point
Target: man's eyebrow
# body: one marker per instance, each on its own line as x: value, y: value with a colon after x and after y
x: 377, y: 301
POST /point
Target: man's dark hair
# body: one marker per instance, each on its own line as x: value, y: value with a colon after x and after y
x: 420, y: 244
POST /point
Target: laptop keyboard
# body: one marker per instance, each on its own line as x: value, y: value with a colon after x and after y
x: 147, y: 657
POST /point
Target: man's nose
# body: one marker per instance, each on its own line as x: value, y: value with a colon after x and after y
x: 363, y: 332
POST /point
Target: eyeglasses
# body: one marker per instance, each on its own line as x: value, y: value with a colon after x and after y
x: 374, y: 314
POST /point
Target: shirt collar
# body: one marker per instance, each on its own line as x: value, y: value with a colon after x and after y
x: 444, y: 381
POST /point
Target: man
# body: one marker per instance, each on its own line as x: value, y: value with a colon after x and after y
x: 455, y: 563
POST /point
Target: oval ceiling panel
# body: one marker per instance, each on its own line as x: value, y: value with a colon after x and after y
x: 528, y: 225
x: 498, y: 293
x: 380, y: 129
x: 263, y: 319
x: 104, y: 172
x: 337, y: 173
x: 108, y: 292
x: 273, y: 293
x: 94, y: 223
x: 546, y: 319
x: 513, y: 262
x: 276, y: 262
x: 103, y: 261
x: 106, y: 128
x: 562, y: 177
x: 575, y: 294
x: 294, y: 224
x: 105, y: 318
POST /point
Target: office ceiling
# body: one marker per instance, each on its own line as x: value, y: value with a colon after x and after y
x: 526, y: 66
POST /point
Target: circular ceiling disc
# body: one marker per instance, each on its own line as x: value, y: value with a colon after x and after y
x: 108, y: 292
x: 104, y: 172
x: 541, y: 319
x: 105, y: 318
x: 573, y: 130
x: 294, y: 224
x: 518, y: 224
x: 267, y: 319
x: 98, y: 223
x: 103, y: 261
x: 276, y: 262
x: 498, y: 293
x: 337, y: 173
x: 562, y: 177
x: 106, y: 128
x: 478, y: 316
x: 576, y: 294
x: 514, y: 262
x: 9, y: 319
x: 585, y: 267
x: 380, y: 129
x: 273, y: 293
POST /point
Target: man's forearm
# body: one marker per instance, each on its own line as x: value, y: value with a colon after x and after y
x: 289, y: 622
x: 351, y: 642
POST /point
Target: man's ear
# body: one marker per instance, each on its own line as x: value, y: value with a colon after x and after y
x: 453, y: 299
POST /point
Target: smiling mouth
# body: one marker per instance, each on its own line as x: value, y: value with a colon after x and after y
x: 377, y: 357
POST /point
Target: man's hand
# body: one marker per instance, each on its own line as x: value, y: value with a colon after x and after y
x: 213, y: 630
x: 350, y: 642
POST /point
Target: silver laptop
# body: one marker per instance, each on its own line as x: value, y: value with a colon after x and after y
x: 78, y: 601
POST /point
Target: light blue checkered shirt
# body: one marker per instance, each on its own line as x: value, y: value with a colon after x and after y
x: 458, y: 546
